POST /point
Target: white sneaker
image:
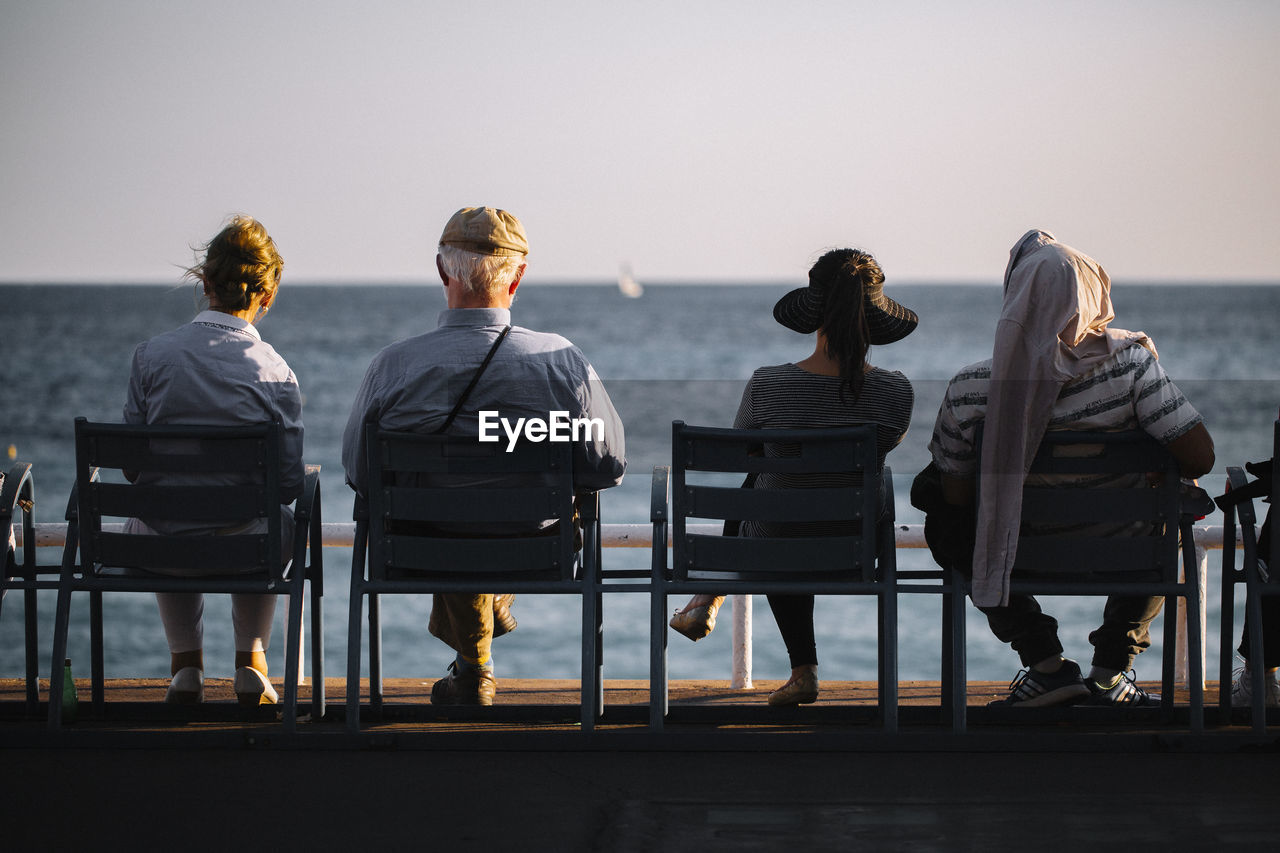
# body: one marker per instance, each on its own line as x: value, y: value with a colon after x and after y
x: 1242, y: 688
x: 253, y: 689
x: 187, y: 687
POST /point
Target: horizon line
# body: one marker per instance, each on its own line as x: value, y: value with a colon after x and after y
x: 657, y: 283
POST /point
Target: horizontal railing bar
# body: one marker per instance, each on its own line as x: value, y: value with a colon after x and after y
x: 341, y: 534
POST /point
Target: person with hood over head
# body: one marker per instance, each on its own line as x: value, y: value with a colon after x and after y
x: 1056, y: 364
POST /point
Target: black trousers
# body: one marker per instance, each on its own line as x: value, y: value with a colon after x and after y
x: 794, y: 615
x: 1032, y: 633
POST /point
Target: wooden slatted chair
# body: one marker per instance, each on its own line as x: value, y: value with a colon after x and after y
x: 113, y: 561
x: 418, y: 482
x: 859, y: 562
x: 1084, y: 561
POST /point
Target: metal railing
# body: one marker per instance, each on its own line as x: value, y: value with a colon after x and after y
x: 341, y: 534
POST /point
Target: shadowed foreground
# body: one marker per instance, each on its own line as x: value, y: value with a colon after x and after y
x: 805, y: 779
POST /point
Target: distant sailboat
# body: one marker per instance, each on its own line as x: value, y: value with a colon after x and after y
x: 627, y: 284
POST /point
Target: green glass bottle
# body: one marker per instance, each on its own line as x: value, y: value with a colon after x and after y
x: 70, y: 699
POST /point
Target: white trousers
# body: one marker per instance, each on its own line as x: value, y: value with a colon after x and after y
x: 182, y: 613
x: 183, y: 616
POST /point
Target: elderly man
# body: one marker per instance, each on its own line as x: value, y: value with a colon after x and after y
x: 414, y: 385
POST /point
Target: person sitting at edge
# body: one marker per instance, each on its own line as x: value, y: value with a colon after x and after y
x: 408, y: 388
x: 1055, y: 365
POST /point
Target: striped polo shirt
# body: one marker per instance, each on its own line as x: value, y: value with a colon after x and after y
x: 1128, y: 391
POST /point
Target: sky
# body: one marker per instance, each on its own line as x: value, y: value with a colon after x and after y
x: 693, y: 141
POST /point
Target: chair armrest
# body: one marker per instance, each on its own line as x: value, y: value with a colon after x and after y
x: 11, y: 491
x: 1194, y: 503
x: 890, y: 508
x: 588, y: 507
x: 658, y: 503
x: 310, y: 495
x: 1238, y: 480
x: 306, y: 522
x: 659, y: 514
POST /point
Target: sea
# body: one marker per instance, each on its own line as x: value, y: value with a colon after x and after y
x: 680, y: 351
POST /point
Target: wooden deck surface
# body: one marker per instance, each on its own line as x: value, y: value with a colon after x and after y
x: 135, y: 706
x: 526, y: 691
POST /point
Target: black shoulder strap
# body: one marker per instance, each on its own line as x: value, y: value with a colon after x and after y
x: 457, y: 407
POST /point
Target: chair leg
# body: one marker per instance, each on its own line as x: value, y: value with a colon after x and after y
x: 657, y: 658
x: 32, y: 625
x: 99, y: 691
x: 354, y: 624
x: 1167, y: 675
x: 590, y: 659
x: 1195, y: 632
x: 599, y: 699
x: 888, y: 642
x: 959, y: 658
x: 1226, y: 635
x: 317, y: 653
x: 1253, y: 605
x: 375, y: 656
x: 292, y: 642
x: 62, y: 616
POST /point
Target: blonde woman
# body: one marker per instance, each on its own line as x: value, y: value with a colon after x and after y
x: 217, y: 371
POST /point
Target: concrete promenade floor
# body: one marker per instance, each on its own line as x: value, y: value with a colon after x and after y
x: 728, y: 774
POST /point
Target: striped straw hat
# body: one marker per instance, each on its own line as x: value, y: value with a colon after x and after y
x: 801, y: 310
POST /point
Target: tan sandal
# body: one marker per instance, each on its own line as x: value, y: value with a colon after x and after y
x: 801, y: 690
x: 697, y: 622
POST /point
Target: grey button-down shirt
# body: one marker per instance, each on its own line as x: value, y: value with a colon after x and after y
x: 217, y: 371
x: 412, y: 385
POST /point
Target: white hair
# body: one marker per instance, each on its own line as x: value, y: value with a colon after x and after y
x: 479, y: 273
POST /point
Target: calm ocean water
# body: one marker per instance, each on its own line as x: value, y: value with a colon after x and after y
x: 678, y: 352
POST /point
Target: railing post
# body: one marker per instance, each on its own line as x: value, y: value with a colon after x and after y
x: 741, y: 642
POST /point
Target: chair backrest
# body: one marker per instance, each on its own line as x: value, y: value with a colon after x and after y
x: 843, y: 459
x: 455, y: 507
x: 221, y: 476
x: 1100, y: 512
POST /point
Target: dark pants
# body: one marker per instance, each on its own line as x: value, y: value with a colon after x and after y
x: 1270, y: 609
x: 794, y: 615
x: 1033, y: 634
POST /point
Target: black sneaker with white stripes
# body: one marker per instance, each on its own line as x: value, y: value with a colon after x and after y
x: 1033, y: 689
x: 1123, y: 694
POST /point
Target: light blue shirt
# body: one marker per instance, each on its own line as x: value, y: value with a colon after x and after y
x: 412, y: 385
x: 217, y: 371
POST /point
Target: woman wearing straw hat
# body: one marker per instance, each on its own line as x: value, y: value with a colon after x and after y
x: 846, y: 309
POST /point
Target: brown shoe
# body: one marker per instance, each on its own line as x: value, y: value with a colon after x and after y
x: 503, y: 621
x: 473, y: 687
x: 698, y: 622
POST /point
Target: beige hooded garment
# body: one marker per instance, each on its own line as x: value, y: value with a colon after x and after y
x: 1053, y: 328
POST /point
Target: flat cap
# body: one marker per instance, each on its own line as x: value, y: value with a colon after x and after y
x: 485, y: 231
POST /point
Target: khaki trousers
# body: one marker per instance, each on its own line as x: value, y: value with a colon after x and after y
x: 464, y: 623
